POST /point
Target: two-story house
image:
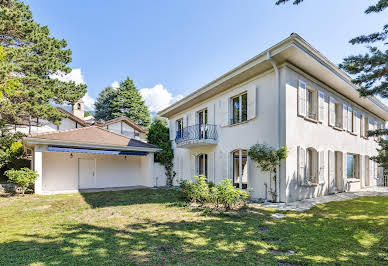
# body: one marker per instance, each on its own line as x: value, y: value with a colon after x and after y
x: 289, y: 95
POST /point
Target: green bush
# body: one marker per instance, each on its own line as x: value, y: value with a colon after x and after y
x: 202, y: 192
x: 23, y: 177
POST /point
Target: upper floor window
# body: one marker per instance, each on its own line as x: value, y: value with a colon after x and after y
x: 239, y: 108
x: 179, y: 128
x: 311, y: 104
x: 366, y: 126
x: 338, y: 115
x: 78, y: 106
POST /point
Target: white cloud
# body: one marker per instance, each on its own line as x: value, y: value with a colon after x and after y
x: 76, y: 76
x: 158, y: 98
x: 115, y: 84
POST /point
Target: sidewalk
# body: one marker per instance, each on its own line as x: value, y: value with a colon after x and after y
x: 307, y: 204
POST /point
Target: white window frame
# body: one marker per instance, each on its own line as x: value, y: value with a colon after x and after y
x: 240, y: 111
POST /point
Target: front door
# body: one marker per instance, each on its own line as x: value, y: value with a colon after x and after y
x: 86, y: 173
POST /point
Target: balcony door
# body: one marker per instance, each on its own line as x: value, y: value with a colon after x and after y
x: 202, y: 122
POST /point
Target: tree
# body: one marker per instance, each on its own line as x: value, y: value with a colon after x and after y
x: 370, y: 70
x: 159, y: 135
x: 123, y: 101
x: 11, y: 149
x: 29, y: 57
x: 268, y: 159
x: 102, y: 105
x: 23, y: 177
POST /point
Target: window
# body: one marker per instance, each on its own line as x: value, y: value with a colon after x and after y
x: 338, y: 115
x: 353, y: 166
x: 202, y: 122
x: 78, y: 106
x: 240, y: 169
x: 202, y: 165
x: 311, y: 104
x: 179, y: 128
x: 350, y: 119
x: 239, y: 109
x: 366, y: 126
x: 311, y: 166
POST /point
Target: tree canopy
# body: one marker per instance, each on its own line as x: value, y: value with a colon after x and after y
x: 29, y: 57
x: 123, y: 101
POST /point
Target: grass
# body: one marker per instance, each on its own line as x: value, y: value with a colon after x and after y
x: 153, y: 227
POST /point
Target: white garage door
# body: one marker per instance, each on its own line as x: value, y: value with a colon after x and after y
x: 86, y: 173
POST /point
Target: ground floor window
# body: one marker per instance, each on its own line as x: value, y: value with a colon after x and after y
x: 353, y: 166
x: 240, y: 169
x: 202, y: 165
x: 312, y: 166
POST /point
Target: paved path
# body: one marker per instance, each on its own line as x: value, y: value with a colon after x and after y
x: 304, y: 205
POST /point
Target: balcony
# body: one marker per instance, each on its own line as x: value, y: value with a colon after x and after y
x: 196, y: 136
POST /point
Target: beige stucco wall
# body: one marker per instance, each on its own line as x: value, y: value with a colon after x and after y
x: 60, y: 172
x: 319, y: 136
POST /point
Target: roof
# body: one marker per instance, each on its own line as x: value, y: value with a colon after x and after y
x: 88, y: 136
x: 126, y: 120
x: 72, y: 117
x: 295, y: 51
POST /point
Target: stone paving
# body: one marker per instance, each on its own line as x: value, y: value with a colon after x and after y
x: 307, y: 204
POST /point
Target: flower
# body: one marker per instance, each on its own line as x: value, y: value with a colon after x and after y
x: 183, y: 190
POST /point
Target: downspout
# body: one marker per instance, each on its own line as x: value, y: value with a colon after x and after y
x: 277, y: 82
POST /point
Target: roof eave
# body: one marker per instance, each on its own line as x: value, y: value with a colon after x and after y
x: 43, y: 141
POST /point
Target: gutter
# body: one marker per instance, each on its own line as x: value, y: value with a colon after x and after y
x: 277, y: 84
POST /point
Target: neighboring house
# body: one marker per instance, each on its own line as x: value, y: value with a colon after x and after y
x: 76, y: 119
x: 89, y: 158
x: 288, y: 95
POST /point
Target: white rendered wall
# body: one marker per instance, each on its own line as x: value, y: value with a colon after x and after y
x: 260, y: 129
x: 319, y: 136
x: 60, y: 172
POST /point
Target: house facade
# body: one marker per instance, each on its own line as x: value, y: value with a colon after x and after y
x: 289, y: 95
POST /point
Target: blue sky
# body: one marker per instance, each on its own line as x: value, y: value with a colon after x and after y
x: 172, y: 47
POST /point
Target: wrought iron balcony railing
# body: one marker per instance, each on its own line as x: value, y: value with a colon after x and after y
x: 196, y: 133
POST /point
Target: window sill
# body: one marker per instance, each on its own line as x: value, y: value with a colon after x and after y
x: 311, y: 120
x: 352, y: 180
x: 366, y: 138
x: 352, y: 133
x: 240, y: 123
x: 337, y: 128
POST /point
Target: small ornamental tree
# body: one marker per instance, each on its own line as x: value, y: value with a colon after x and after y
x: 159, y: 135
x: 23, y: 177
x: 268, y: 160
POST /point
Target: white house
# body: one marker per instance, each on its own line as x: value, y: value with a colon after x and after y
x: 89, y: 158
x: 290, y: 94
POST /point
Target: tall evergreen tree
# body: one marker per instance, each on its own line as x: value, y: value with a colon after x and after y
x: 29, y: 57
x: 123, y: 101
x: 370, y: 70
x: 102, y: 104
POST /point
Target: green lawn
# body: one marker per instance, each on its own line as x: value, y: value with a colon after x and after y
x: 153, y: 227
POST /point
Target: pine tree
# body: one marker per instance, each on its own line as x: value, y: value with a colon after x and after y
x: 123, y: 101
x: 370, y: 70
x: 29, y: 57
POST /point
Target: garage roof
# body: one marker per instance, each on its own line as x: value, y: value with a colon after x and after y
x: 93, y: 135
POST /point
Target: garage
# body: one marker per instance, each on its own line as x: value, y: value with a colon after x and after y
x: 90, y: 158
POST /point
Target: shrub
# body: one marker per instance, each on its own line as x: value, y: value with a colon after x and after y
x: 227, y: 194
x: 23, y: 177
x: 198, y: 191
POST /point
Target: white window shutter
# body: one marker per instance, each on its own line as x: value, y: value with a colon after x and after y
x: 302, y: 98
x: 350, y: 118
x: 252, y: 102
x: 321, y: 106
x: 331, y: 171
x: 345, y: 117
x: 301, y: 165
x: 331, y: 111
x: 321, y: 169
x: 356, y: 121
x: 371, y: 171
x: 345, y: 167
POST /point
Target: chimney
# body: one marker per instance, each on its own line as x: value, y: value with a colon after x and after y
x: 78, y: 109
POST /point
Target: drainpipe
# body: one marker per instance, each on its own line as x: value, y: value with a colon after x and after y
x: 277, y: 82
